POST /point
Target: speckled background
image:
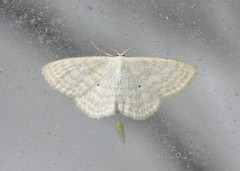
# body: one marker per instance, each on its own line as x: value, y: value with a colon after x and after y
x: 42, y: 129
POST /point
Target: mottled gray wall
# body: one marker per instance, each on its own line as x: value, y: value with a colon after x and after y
x: 41, y: 129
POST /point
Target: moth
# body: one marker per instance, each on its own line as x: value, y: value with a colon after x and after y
x: 107, y: 85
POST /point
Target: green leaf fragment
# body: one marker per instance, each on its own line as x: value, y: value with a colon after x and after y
x: 120, y: 130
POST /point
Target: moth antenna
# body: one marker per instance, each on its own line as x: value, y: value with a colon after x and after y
x: 122, y: 54
x: 101, y: 50
x: 119, y: 54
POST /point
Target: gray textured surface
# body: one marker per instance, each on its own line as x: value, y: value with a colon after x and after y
x: 41, y: 129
